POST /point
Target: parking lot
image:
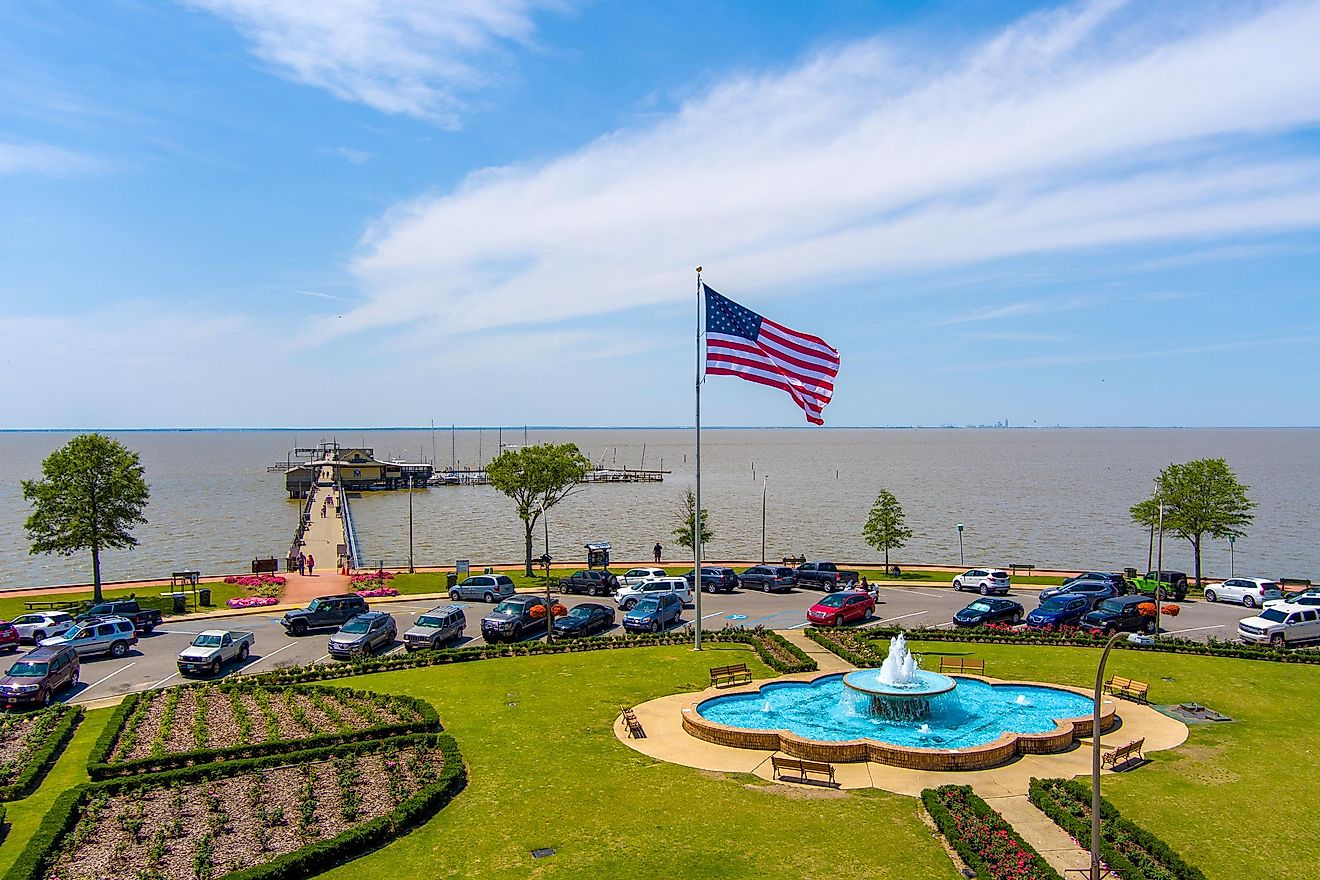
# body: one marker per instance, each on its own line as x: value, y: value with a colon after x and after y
x: 151, y: 664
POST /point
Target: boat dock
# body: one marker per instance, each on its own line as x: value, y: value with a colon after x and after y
x: 325, y: 527
x: 478, y: 476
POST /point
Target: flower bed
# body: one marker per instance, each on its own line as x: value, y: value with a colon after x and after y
x: 29, y: 745
x: 1130, y: 850
x: 377, y: 592
x: 848, y: 644
x: 154, y: 730
x: 368, y: 580
x: 256, y: 580
x: 982, y: 838
x: 252, y: 601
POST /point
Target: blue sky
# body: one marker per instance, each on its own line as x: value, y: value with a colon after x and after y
x: 241, y: 213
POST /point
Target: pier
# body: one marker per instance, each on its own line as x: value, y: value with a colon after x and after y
x: 325, y: 526
x: 478, y: 476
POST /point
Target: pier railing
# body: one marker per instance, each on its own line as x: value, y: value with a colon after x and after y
x: 350, y: 532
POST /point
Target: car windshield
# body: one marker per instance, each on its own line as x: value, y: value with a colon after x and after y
x: 999, y: 575
x: 206, y: 640
x: 1056, y: 603
x: 78, y: 632
x: 647, y: 606
x: 314, y: 605
x: 580, y: 611
x: 508, y: 608
x: 428, y: 620
x: 1113, y: 605
x: 979, y: 606
x: 1274, y: 615
x: 356, y: 625
x: 833, y: 600
x: 28, y: 669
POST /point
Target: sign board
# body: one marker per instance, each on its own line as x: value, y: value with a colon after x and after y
x: 461, y: 567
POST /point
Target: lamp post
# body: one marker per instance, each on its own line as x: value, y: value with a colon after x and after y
x: 764, y: 484
x: 1159, y: 571
x: 1232, y: 564
x: 1095, y: 757
x: 410, y: 524
x: 960, y: 545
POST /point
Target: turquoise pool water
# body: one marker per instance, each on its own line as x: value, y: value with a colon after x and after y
x: 972, y: 714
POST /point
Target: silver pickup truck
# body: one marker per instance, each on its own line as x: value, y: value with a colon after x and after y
x: 214, y: 648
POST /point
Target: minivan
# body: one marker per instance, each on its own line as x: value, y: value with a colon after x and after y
x: 434, y: 628
x: 486, y: 587
x: 33, y: 679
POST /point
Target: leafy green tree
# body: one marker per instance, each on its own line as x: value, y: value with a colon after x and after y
x: 537, y: 478
x: 683, y: 519
x: 90, y: 496
x: 1201, y: 497
x: 885, y: 528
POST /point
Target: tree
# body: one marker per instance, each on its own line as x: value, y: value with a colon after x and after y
x: 885, y: 529
x: 90, y: 496
x: 683, y: 522
x: 1201, y: 497
x: 537, y: 478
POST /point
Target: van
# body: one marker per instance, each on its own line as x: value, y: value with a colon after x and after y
x: 435, y: 628
x: 484, y: 587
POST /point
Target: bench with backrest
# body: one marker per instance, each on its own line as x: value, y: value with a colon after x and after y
x: 800, y: 767
x: 56, y: 605
x: 1289, y: 584
x: 795, y: 560
x: 635, y: 730
x: 736, y: 673
x: 1015, y: 567
x: 1123, y: 754
x: 962, y: 664
x: 1126, y: 687
x: 269, y: 565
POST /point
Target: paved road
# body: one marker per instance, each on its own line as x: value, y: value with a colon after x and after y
x: 151, y: 664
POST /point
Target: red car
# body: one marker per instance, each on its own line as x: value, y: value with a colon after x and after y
x: 8, y: 637
x: 837, y: 609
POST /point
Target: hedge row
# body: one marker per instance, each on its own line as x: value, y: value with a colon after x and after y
x: 1130, y: 850
x: 982, y: 838
x: 100, y: 767
x: 45, y: 842
x: 43, y: 756
x: 848, y: 644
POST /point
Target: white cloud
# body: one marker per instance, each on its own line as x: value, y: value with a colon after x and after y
x: 413, y: 58
x: 1091, y: 127
x: 1017, y: 310
x: 357, y: 157
x: 43, y: 159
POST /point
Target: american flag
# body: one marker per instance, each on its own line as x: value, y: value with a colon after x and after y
x: 741, y: 343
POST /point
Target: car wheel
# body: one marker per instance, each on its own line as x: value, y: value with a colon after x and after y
x: 868, y: 614
x: 1248, y: 602
x: 1278, y: 640
x: 709, y: 588
x: 629, y: 604
x: 47, y: 698
x: 119, y: 649
x: 1017, y: 618
x: 838, y: 620
x: 453, y: 595
x: 73, y: 682
x: 655, y: 626
x: 489, y: 597
x: 1210, y: 596
x: 300, y: 629
x: 1150, y: 627
x: 215, y: 667
x: 985, y: 591
x: 765, y: 588
x: 957, y: 585
x: 38, y: 636
x: 242, y: 653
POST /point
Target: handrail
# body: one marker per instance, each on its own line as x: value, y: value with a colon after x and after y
x: 350, y: 533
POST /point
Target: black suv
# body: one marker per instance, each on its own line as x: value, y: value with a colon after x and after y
x: 515, y: 617
x: 144, y: 619
x: 33, y: 679
x: 1116, y: 580
x: 323, y: 612
x: 1118, y: 614
x: 1096, y: 591
x: 769, y: 577
x: 593, y: 583
x: 1174, y: 582
x: 715, y: 580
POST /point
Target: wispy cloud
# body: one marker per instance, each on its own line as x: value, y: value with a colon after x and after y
x: 357, y: 157
x: 1170, y: 295
x: 44, y: 159
x: 1016, y: 310
x: 414, y: 58
x: 1094, y: 127
x: 320, y: 295
x: 1229, y: 253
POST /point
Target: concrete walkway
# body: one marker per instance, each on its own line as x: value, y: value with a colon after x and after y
x: 826, y: 661
x: 321, y: 541
x: 1037, y: 829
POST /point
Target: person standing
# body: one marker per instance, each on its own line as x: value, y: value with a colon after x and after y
x: 311, y: 563
x: 656, y: 551
x: 302, y: 563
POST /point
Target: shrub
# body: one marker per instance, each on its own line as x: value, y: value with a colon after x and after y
x: 987, y: 843
x: 52, y: 731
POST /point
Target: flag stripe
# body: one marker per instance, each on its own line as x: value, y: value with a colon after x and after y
x: 802, y: 341
x: 767, y: 368
x: 737, y: 343
x: 812, y: 412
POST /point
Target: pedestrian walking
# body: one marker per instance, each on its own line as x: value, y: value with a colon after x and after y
x: 302, y: 563
x: 311, y: 563
x: 657, y: 550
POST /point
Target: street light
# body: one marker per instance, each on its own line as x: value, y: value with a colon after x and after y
x: 960, y: 546
x: 764, y: 483
x: 410, y: 524
x: 1232, y: 564
x: 1095, y: 757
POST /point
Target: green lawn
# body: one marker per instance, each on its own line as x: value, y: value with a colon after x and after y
x: 149, y: 597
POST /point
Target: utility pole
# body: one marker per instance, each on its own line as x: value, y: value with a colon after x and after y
x: 410, y: 524
x: 764, y: 483
x: 1159, y: 571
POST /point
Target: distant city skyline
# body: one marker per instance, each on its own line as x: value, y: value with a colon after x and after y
x: 264, y: 213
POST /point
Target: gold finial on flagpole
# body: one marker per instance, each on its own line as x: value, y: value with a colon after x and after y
x: 698, y: 269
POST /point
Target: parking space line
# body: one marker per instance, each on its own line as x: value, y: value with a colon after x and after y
x: 900, y: 617
x: 393, y: 650
x: 162, y: 681
x: 714, y: 614
x: 800, y: 625
x: 1174, y: 632
x: 915, y: 592
x: 271, y: 654
x: 180, y: 632
x: 100, y: 680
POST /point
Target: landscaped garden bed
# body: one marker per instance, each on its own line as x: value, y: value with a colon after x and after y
x: 159, y: 729
x: 30, y: 743
x: 982, y: 838
x: 1132, y: 852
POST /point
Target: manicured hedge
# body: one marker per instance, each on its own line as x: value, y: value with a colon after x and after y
x: 1130, y: 850
x: 45, y: 842
x: 99, y: 767
x: 847, y: 644
x: 986, y: 842
x: 43, y: 756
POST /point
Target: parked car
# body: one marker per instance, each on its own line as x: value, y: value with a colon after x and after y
x: 37, y: 625
x: 837, y: 609
x: 654, y: 613
x: 593, y: 583
x: 432, y: 629
x: 144, y: 619
x: 715, y: 579
x: 628, y: 597
x: 1119, y: 614
x: 1065, y: 610
x: 362, y: 635
x: 1171, y: 582
x: 984, y: 612
x: 986, y: 581
x: 101, y: 635
x: 323, y: 612
x: 212, y: 649
x: 1108, y: 577
x: 516, y: 616
x: 1096, y: 591
x: 1311, y: 598
x: 583, y: 620
x: 769, y: 578
x: 825, y: 576
x: 636, y: 575
x: 486, y: 587
x: 1251, y: 592
x: 35, y: 678
x: 9, y: 638
x: 1283, y: 624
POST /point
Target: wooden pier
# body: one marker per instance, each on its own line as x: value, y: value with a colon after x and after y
x: 479, y: 477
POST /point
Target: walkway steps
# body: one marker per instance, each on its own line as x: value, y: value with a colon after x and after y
x: 1037, y: 829
x: 826, y: 661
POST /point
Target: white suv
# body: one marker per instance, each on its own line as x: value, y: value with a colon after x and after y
x: 1282, y: 624
x: 628, y: 597
x: 42, y: 625
x: 1251, y: 592
x: 983, y: 580
x: 634, y: 576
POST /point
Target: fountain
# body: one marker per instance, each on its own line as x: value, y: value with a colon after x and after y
x: 900, y: 690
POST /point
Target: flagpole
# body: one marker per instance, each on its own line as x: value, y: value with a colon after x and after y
x: 696, y: 515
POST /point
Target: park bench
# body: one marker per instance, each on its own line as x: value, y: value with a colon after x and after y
x: 799, y: 768
x: 56, y: 605
x: 737, y: 673
x: 1015, y: 567
x: 269, y: 565
x: 1126, y: 687
x: 1290, y: 584
x: 795, y: 560
x: 962, y: 664
x: 1123, y: 754
x: 635, y: 730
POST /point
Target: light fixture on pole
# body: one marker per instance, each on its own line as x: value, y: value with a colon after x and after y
x: 410, y: 524
x: 764, y: 484
x: 1095, y: 758
x: 1159, y: 571
x: 960, y: 545
x: 1232, y: 564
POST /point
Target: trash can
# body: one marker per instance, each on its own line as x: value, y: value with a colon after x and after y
x: 451, y: 580
x: 204, y: 596
x: 180, y: 603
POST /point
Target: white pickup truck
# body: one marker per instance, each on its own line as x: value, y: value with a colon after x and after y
x: 214, y: 648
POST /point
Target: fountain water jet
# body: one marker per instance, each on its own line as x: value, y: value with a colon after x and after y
x: 900, y: 690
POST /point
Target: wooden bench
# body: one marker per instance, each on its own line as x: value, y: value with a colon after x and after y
x: 52, y: 605
x: 799, y: 768
x: 1123, y: 754
x: 1016, y: 566
x: 795, y: 560
x: 1125, y: 687
x: 635, y: 730
x: 1289, y: 585
x: 269, y: 565
x: 962, y: 664
x: 737, y: 673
